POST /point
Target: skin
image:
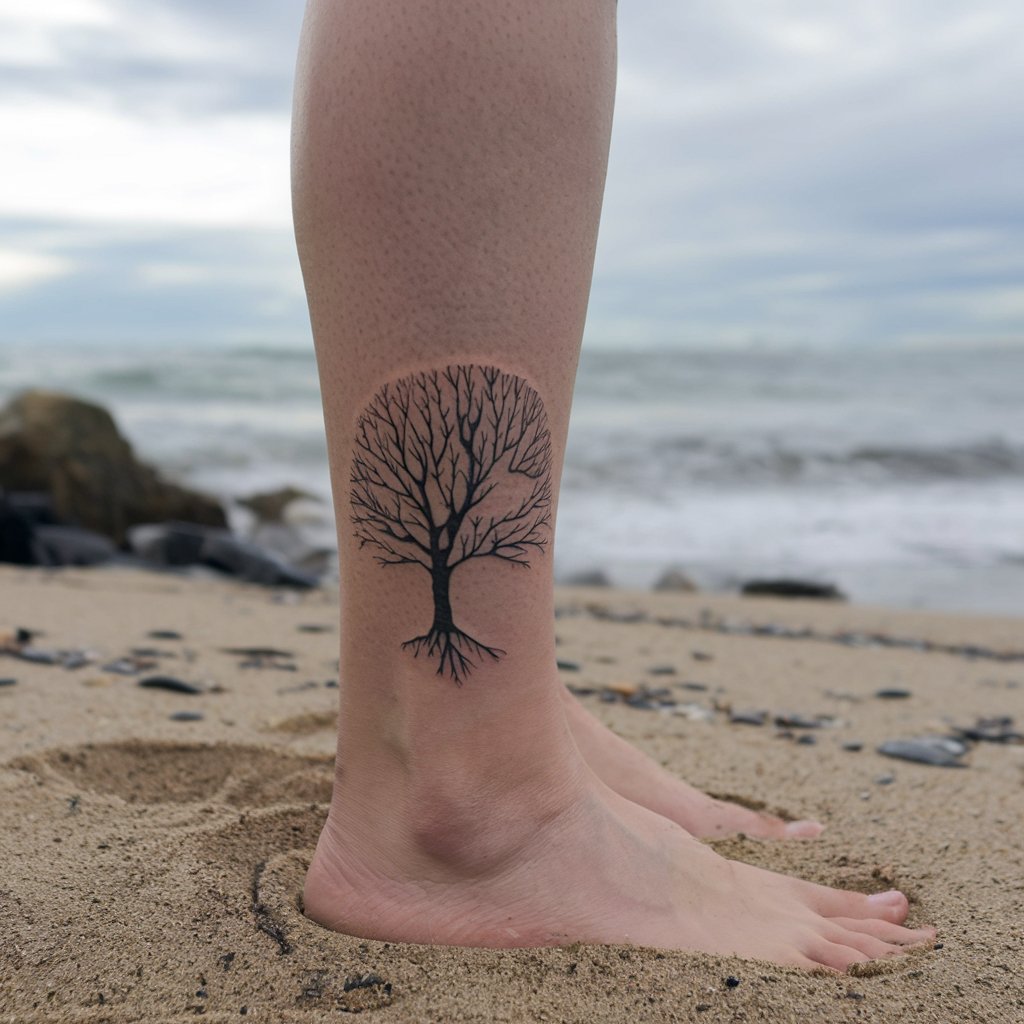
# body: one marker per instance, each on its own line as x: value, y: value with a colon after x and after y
x: 448, y: 172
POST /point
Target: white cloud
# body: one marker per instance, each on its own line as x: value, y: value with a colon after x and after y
x: 21, y: 269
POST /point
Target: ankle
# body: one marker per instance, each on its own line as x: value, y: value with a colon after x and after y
x: 454, y: 824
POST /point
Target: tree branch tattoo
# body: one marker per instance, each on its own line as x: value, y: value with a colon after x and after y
x: 452, y: 465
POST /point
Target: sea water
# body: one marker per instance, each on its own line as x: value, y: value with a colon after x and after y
x: 897, y: 474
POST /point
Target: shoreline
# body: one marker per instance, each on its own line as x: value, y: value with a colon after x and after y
x: 155, y: 840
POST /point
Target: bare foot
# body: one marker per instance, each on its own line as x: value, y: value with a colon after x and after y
x: 637, y: 777
x: 574, y: 861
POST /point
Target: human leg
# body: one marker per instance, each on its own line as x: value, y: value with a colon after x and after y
x: 449, y: 165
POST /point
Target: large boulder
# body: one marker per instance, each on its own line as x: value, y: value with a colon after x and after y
x: 72, y: 450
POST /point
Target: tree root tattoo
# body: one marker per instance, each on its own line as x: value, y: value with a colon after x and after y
x: 452, y: 465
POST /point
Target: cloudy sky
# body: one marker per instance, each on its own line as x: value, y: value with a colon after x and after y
x: 782, y: 171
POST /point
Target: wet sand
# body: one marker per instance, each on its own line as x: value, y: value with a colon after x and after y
x: 152, y: 865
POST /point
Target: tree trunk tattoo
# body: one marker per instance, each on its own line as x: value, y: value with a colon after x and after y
x: 452, y: 465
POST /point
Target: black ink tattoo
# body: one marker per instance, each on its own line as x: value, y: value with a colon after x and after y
x: 452, y: 465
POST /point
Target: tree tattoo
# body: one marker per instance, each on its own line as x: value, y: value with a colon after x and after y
x: 452, y: 465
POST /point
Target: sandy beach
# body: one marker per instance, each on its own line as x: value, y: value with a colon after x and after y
x: 153, y: 842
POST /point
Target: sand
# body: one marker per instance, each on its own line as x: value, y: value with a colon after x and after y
x: 151, y: 869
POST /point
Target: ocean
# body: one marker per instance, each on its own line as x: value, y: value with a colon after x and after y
x: 897, y: 475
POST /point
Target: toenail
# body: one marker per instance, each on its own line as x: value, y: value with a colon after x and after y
x: 892, y: 896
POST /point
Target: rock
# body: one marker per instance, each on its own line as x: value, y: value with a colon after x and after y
x: 893, y: 693
x: 269, y: 506
x: 673, y: 579
x: 16, y: 533
x: 72, y: 451
x: 998, y: 729
x: 164, y: 634
x: 748, y: 717
x: 806, y: 740
x: 785, y: 587
x: 71, y: 545
x: 187, y: 716
x: 178, y: 544
x: 568, y: 666
x: 662, y: 670
x: 795, y: 720
x: 853, y: 746
x: 169, y: 683
x: 940, y: 751
x: 8, y: 682
x: 702, y: 656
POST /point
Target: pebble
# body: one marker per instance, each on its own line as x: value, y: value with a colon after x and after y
x: 258, y: 652
x: 794, y: 720
x: 568, y: 666
x: 807, y: 740
x: 885, y: 780
x: 8, y: 682
x: 893, y: 693
x: 940, y: 751
x: 77, y: 659
x: 748, y: 717
x: 187, y: 716
x: 997, y: 729
x: 128, y: 666
x: 581, y: 691
x: 39, y: 655
x: 169, y: 683
x: 696, y: 687
x: 853, y: 746
x: 731, y: 981
x: 662, y: 670
x: 701, y: 656
x: 164, y: 634
x: 313, y: 627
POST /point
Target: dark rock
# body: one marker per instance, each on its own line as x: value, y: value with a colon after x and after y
x: 71, y: 545
x: 662, y: 670
x: 731, y: 981
x: 180, y: 544
x: 248, y: 562
x: 885, y: 780
x: 748, y: 717
x: 25, y: 636
x: 581, y: 691
x: 39, y: 655
x: 998, y: 729
x: 164, y: 634
x: 568, y: 666
x: 72, y: 451
x: 794, y: 720
x: 169, y: 683
x: 16, y: 534
x: 940, y: 751
x: 314, y: 627
x: 696, y: 687
x: 853, y: 746
x: 269, y: 506
x: 806, y: 740
x: 785, y: 587
x: 8, y: 682
x: 893, y: 693
x: 702, y: 656
x: 675, y: 580
x: 258, y: 652
x: 77, y: 659
x: 186, y: 716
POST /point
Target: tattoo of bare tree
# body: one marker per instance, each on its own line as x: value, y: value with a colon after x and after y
x: 452, y: 465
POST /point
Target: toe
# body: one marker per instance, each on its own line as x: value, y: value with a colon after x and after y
x: 836, y: 955
x: 802, y: 829
x: 889, y: 906
x: 887, y: 931
x: 872, y: 948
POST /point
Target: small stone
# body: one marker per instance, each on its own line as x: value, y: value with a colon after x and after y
x: 169, y: 683
x: 8, y: 682
x: 996, y: 729
x: 806, y: 740
x: 702, y: 656
x: 662, y: 670
x: 187, y: 716
x: 885, y: 780
x: 314, y: 627
x: 609, y: 696
x: 794, y: 720
x: 568, y: 666
x: 731, y: 981
x: 793, y: 588
x: 76, y: 659
x: 164, y: 634
x: 853, y: 746
x: 893, y: 693
x: 939, y: 751
x: 39, y: 655
x: 748, y: 717
x: 695, y: 687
